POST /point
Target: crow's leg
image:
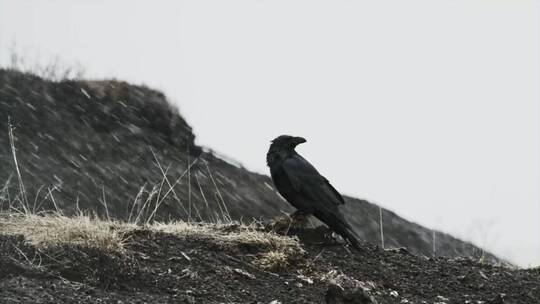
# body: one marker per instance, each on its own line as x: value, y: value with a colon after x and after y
x: 299, y: 217
x: 299, y: 220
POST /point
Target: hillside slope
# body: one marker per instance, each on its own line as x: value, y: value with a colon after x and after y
x: 107, y: 262
x: 107, y: 146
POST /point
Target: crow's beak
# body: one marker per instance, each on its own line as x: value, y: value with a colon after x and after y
x: 299, y: 140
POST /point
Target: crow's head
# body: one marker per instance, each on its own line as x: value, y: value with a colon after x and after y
x: 281, y: 148
x: 287, y: 142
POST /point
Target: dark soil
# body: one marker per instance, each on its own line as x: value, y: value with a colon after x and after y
x: 162, y: 268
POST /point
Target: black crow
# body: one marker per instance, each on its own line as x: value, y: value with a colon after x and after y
x: 305, y: 188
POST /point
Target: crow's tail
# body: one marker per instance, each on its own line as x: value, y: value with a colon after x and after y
x: 337, y: 223
x: 346, y: 231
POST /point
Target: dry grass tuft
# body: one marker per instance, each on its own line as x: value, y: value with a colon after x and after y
x: 276, y: 252
x: 229, y: 234
x: 273, y: 260
x: 56, y: 230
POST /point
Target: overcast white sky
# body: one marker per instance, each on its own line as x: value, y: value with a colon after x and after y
x: 428, y: 107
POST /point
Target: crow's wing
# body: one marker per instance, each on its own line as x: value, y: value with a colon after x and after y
x: 307, y: 180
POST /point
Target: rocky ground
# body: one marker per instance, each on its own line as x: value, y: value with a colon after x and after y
x: 162, y: 267
x: 108, y: 149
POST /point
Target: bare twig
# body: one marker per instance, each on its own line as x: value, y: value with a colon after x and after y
x: 171, y: 187
x: 381, y: 225
x: 225, y: 214
x: 22, y: 190
x: 104, y: 202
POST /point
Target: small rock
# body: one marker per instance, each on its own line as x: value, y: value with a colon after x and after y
x: 441, y: 298
x: 275, y: 302
x: 188, y: 273
x: 482, y: 275
x: 394, y: 294
x: 401, y: 250
x: 498, y: 299
x: 189, y: 300
x: 244, y: 273
x: 306, y: 279
x: 346, y: 290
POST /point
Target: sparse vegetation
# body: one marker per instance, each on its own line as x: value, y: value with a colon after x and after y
x: 51, y: 68
x: 77, y: 226
x: 88, y: 258
x: 124, y: 153
x: 274, y: 260
x: 55, y: 230
x: 52, y: 230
